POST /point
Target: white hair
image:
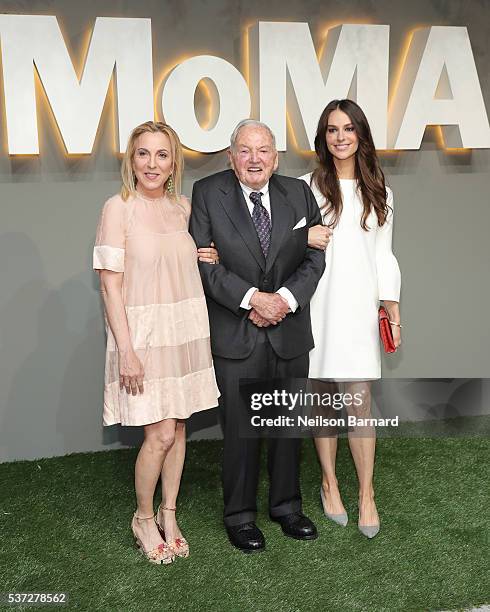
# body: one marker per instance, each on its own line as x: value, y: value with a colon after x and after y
x: 253, y: 123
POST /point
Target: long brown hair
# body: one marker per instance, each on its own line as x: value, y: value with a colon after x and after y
x: 128, y: 178
x: 369, y: 177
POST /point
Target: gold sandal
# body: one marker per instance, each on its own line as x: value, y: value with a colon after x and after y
x: 163, y: 554
x: 180, y: 546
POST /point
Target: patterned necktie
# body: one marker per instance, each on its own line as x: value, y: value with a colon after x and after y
x: 262, y: 221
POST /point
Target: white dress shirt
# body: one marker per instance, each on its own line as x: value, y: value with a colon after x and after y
x: 266, y: 203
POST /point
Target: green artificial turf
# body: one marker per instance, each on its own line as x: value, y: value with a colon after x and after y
x: 64, y: 526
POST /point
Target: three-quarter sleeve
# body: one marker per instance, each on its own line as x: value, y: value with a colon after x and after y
x: 110, y: 240
x: 388, y: 271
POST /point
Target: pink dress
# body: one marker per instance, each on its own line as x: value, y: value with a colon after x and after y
x: 165, y: 306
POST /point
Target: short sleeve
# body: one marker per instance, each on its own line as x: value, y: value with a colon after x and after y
x: 186, y: 206
x: 110, y: 240
x: 389, y: 277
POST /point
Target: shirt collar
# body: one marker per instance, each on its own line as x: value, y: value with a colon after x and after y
x: 247, y: 191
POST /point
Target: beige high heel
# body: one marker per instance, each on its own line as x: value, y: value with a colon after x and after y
x: 180, y: 546
x: 163, y: 554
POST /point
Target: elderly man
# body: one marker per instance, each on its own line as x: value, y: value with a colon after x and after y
x: 257, y: 298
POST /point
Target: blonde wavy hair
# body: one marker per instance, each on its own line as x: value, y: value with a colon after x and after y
x: 128, y: 178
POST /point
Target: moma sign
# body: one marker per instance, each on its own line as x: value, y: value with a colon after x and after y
x: 437, y: 85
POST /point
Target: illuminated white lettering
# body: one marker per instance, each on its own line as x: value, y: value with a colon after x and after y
x: 120, y: 44
x: 230, y: 102
x: 354, y: 61
x: 440, y: 86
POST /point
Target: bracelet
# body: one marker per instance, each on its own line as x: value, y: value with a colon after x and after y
x: 397, y: 324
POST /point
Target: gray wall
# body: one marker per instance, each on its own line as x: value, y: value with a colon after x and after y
x: 51, y: 330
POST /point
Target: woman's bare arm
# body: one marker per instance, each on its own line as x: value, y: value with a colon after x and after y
x: 131, y: 371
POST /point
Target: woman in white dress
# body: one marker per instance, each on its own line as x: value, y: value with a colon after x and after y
x: 361, y: 270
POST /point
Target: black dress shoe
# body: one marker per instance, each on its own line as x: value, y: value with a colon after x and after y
x: 297, y: 526
x: 246, y: 537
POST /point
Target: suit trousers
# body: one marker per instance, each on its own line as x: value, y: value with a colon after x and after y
x: 241, y: 455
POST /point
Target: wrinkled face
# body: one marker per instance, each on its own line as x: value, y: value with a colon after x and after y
x: 254, y: 157
x: 341, y: 136
x: 152, y: 162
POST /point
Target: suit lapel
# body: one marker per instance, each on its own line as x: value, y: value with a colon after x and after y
x: 282, y: 219
x: 233, y: 202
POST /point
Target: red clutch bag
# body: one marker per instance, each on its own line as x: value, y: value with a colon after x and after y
x: 385, y: 330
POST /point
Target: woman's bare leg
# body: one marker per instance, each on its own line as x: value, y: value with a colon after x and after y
x: 159, y: 440
x: 327, y: 452
x: 171, y: 474
x: 362, y: 443
x: 326, y: 448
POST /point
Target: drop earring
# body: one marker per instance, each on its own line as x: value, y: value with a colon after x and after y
x: 170, y: 185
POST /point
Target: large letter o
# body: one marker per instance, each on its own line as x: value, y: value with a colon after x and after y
x: 230, y: 106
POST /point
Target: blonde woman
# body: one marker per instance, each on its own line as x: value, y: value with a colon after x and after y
x: 158, y: 368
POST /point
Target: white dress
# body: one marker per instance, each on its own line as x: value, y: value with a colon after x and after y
x: 360, y: 271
